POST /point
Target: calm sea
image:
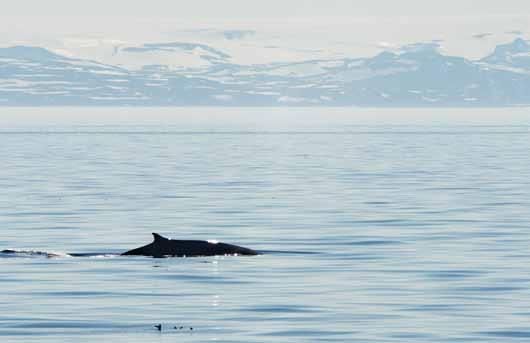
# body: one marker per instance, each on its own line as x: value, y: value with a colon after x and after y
x: 374, y: 233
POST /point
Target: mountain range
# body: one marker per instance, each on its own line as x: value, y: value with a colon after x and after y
x: 193, y: 74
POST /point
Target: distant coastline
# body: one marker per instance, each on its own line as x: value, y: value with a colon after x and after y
x: 417, y: 75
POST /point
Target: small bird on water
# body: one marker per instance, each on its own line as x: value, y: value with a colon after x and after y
x: 181, y: 327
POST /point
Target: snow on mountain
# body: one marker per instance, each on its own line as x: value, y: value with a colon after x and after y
x: 180, y: 73
x: 512, y: 55
x: 175, y: 56
x: 30, y: 75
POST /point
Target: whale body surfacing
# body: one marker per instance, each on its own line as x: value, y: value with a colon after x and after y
x: 164, y: 247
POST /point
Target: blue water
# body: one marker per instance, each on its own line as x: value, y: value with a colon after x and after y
x: 420, y: 234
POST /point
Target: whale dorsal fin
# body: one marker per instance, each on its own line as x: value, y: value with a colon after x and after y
x: 159, y: 237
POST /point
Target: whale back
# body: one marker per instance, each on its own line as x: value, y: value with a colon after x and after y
x: 164, y: 247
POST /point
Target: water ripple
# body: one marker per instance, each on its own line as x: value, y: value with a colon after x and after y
x: 367, y: 236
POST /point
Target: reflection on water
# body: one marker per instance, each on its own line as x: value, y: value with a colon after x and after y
x: 369, y: 235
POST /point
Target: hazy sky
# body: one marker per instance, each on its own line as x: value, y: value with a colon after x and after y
x: 198, y: 9
x: 470, y: 28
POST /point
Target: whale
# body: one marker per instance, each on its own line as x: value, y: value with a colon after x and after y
x: 159, y: 248
x: 165, y: 247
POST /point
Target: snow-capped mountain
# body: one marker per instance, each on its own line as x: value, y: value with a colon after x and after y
x: 176, y: 56
x: 513, y: 55
x: 180, y: 73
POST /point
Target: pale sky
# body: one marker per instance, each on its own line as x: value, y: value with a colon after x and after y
x: 198, y: 9
x: 299, y: 29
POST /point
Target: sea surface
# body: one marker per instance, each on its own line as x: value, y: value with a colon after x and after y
x: 371, y: 233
